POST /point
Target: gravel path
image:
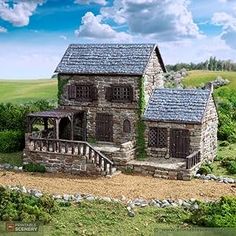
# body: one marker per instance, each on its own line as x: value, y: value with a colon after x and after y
x: 127, y: 185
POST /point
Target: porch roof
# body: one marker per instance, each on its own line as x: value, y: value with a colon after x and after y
x: 55, y: 113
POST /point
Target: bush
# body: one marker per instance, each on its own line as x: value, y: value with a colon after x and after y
x: 231, y: 168
x: 11, y: 141
x: 205, y: 169
x: 34, y: 167
x: 216, y: 214
x: 17, y: 206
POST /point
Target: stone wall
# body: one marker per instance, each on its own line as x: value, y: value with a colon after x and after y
x: 209, y: 132
x: 195, y: 137
x: 120, y: 111
x: 56, y: 162
x: 153, y: 76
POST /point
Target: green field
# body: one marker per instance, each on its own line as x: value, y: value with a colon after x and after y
x: 22, y: 91
x: 197, y: 77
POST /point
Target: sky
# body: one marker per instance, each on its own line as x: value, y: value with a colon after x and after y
x: 34, y: 34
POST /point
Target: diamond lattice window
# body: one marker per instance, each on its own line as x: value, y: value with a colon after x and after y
x: 157, y: 137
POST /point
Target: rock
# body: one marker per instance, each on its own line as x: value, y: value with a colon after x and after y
x: 15, y: 168
x: 197, y: 176
x: 78, y: 198
x: 186, y: 204
x: 6, y: 166
x: 192, y: 200
x: 157, y: 205
x: 167, y: 204
x: 38, y: 194
x: 106, y: 199
x: 180, y: 202
x: 90, y: 198
x: 57, y: 197
x: 123, y: 198
x: 23, y: 189
x: 195, y: 206
x: 213, y: 177
x: 173, y: 204
x: 152, y: 203
x: 129, y: 208
x: 131, y: 213
x: 20, y: 168
x: 67, y: 197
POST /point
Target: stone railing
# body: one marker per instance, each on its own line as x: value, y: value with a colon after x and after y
x: 193, y: 159
x: 78, y: 148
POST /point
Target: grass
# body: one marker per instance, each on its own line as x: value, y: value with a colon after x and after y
x: 14, y: 158
x: 21, y: 91
x: 224, y: 152
x: 101, y: 218
x: 197, y: 77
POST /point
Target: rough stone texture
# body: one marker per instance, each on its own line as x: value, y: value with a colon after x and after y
x: 203, y: 136
x: 56, y: 162
x: 209, y: 132
x: 152, y: 78
x: 195, y: 137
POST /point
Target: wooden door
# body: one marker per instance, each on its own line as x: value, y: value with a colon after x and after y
x: 179, y: 143
x: 104, y: 127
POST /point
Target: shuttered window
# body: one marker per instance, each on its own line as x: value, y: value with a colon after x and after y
x: 117, y: 93
x: 82, y: 92
x: 158, y: 137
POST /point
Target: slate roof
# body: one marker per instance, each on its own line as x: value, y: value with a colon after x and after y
x: 177, y: 105
x: 127, y: 59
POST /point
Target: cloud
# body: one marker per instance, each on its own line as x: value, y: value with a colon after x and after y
x: 3, y: 30
x: 163, y: 20
x: 100, y: 2
x: 63, y: 37
x: 92, y: 27
x: 228, y: 23
x: 19, y: 12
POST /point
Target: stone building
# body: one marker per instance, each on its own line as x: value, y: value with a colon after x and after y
x: 99, y: 88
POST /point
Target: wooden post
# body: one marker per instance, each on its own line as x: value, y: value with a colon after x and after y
x: 71, y: 118
x: 45, y: 122
x: 57, y: 128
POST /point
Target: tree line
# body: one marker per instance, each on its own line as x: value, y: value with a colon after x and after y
x: 212, y: 64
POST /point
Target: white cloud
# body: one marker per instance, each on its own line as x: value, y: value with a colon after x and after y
x: 163, y: 20
x: 228, y: 23
x: 3, y: 30
x: 92, y: 27
x: 63, y: 37
x: 100, y: 2
x: 19, y: 13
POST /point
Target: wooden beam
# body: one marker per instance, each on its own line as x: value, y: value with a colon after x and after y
x: 57, y: 128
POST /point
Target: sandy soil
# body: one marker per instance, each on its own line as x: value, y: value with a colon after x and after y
x: 127, y: 185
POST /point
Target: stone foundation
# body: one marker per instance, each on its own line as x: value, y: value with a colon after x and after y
x: 56, y: 162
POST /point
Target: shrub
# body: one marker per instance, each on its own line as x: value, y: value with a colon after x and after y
x: 205, y: 169
x: 11, y: 141
x: 34, y: 167
x: 231, y: 168
x: 224, y: 144
x: 216, y: 214
x: 17, y: 206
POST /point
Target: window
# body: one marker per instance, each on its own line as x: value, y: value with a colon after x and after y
x: 157, y: 137
x: 126, y: 126
x: 117, y: 93
x: 83, y: 92
x: 121, y: 93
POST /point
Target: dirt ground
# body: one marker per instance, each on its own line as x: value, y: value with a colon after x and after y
x: 127, y: 185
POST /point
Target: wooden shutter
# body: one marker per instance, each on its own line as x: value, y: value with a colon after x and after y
x: 131, y: 96
x: 71, y: 91
x: 108, y: 93
x: 94, y: 93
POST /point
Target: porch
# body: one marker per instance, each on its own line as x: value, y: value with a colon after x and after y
x: 57, y: 124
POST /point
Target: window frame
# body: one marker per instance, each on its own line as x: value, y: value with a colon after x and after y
x: 82, y: 86
x: 160, y: 134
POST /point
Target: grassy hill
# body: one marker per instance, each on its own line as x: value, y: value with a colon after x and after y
x: 198, y: 77
x: 21, y: 91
